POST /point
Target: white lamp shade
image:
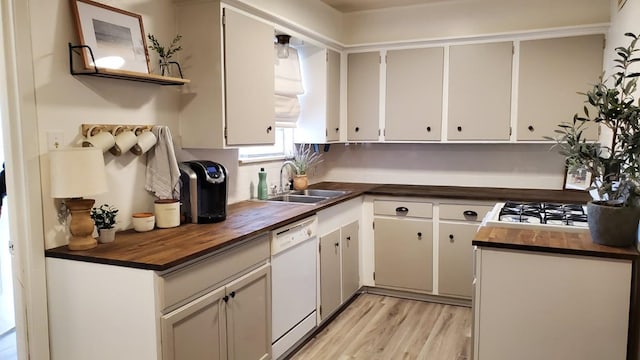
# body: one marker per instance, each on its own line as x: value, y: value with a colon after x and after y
x: 77, y: 172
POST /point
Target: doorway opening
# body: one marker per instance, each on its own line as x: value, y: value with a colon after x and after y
x: 8, y: 348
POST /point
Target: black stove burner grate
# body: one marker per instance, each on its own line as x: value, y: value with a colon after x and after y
x: 543, y: 213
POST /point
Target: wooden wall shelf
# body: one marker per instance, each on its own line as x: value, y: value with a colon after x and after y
x: 118, y: 74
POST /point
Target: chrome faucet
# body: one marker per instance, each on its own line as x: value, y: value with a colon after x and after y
x: 293, y: 165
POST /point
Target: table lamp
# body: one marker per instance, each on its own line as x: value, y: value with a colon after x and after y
x: 75, y: 173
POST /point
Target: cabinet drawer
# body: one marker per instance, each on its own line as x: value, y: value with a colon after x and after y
x: 403, y: 208
x: 193, y: 279
x: 464, y: 212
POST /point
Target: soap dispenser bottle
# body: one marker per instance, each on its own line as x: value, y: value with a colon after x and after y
x: 263, y: 191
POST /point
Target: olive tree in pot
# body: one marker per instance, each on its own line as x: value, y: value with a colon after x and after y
x: 615, y: 167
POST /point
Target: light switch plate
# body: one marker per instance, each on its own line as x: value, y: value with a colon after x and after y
x: 55, y: 139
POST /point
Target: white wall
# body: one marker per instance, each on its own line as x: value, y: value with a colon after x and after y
x: 64, y: 102
x: 623, y: 21
x: 313, y: 15
x: 490, y: 165
x: 468, y: 18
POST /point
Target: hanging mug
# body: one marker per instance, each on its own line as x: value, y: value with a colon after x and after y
x: 125, y: 140
x: 103, y: 140
x: 146, y: 140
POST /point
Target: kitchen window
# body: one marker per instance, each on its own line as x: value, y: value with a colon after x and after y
x: 282, y: 148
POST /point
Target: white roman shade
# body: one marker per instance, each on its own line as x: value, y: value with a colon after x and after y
x: 288, y: 85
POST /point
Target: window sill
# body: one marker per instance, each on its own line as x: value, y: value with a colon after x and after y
x: 262, y: 159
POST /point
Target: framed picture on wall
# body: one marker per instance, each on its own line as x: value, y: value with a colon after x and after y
x: 116, y: 37
x: 577, y: 179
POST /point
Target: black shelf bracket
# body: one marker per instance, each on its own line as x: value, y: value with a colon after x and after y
x: 75, y: 56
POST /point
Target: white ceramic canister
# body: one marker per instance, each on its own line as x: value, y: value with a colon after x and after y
x: 167, y: 213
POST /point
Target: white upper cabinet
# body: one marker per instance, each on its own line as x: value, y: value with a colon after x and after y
x: 249, y: 80
x: 363, y: 96
x: 233, y: 83
x: 319, y: 120
x: 551, y: 73
x: 480, y: 91
x: 414, y: 94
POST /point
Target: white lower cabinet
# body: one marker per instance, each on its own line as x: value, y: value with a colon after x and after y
x: 458, y: 222
x: 404, y: 254
x: 455, y: 259
x: 339, y: 254
x: 530, y: 305
x: 183, y: 329
x: 403, y: 239
x: 339, y: 270
x: 218, y: 307
x: 227, y: 323
x: 330, y: 296
x: 420, y: 242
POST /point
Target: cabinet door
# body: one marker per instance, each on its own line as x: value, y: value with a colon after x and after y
x: 404, y: 253
x: 249, y: 315
x: 350, y: 257
x: 549, y: 79
x: 527, y: 301
x: 455, y: 258
x: 330, y: 297
x: 363, y: 96
x: 197, y: 330
x: 249, y: 80
x: 414, y: 94
x: 480, y: 91
x: 333, y: 96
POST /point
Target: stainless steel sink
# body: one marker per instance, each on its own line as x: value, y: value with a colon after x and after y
x: 305, y: 199
x: 320, y: 192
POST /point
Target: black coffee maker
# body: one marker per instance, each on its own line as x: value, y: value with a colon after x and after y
x: 203, y: 192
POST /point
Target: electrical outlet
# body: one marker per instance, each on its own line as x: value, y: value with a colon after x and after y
x: 55, y: 139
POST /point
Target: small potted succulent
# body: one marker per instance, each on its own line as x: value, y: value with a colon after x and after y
x: 304, y: 159
x: 105, y: 219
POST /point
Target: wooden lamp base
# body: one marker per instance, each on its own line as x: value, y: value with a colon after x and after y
x: 81, y: 226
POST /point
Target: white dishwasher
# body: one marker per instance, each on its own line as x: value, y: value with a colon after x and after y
x: 293, y: 280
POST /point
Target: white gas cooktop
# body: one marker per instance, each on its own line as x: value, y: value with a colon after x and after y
x: 538, y: 215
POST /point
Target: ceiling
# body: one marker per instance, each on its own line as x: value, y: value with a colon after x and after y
x: 359, y: 5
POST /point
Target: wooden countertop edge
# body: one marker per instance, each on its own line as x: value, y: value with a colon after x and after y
x: 554, y: 250
x: 565, y: 242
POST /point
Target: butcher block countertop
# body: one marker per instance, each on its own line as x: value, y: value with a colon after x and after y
x: 558, y: 242
x: 162, y: 249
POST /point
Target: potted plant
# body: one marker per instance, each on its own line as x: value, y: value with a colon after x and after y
x: 304, y: 159
x: 165, y: 53
x: 105, y: 219
x: 615, y: 168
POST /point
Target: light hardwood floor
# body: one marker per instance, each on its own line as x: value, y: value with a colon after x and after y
x: 385, y: 328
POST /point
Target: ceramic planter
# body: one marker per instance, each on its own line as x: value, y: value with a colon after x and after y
x: 613, y: 226
x: 300, y: 182
x: 106, y: 235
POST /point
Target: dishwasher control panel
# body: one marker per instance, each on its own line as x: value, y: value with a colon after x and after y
x: 293, y: 234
